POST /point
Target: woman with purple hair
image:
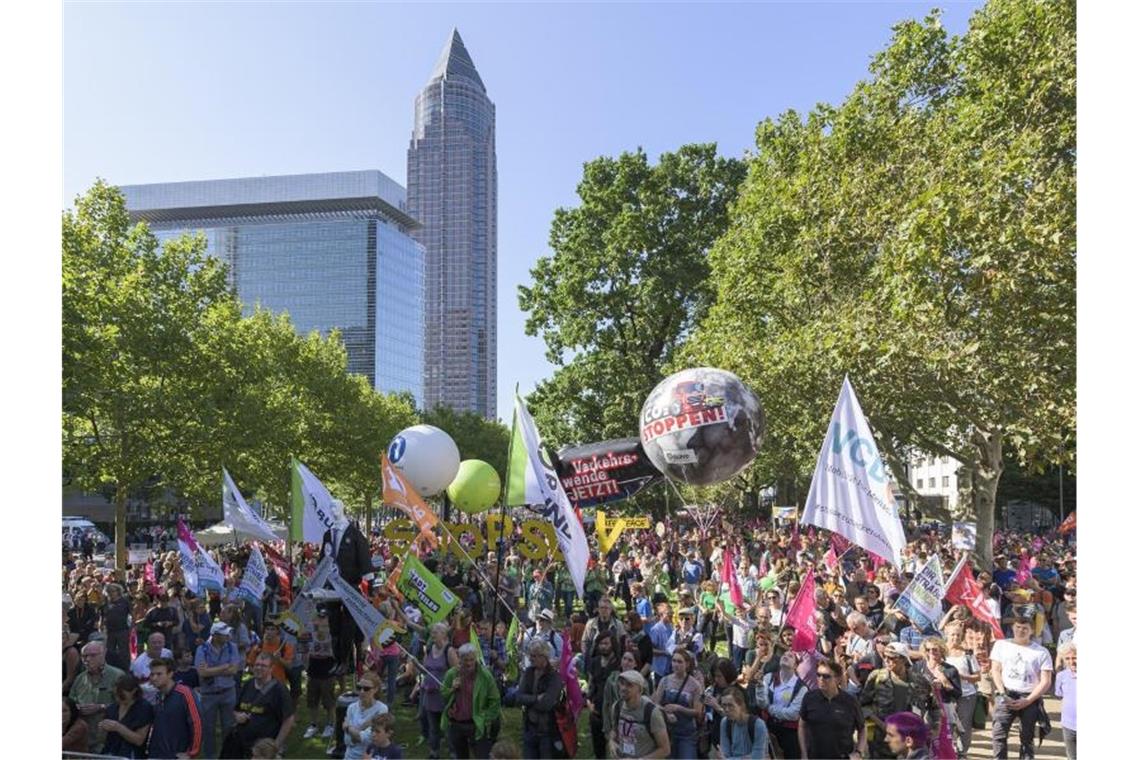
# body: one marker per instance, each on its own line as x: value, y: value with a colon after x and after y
x: 907, y: 735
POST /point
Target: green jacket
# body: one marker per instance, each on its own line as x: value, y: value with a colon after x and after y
x: 485, y: 704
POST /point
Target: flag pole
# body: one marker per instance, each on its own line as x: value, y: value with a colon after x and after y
x: 499, y: 543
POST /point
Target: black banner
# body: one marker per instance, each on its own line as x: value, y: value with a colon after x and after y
x: 605, y: 472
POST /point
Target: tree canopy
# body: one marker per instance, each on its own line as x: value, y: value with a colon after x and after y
x: 919, y: 237
x: 627, y: 281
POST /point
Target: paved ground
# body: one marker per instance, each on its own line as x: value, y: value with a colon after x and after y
x: 1054, y: 745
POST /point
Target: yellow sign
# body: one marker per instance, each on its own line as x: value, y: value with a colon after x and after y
x: 608, y: 531
x: 538, y: 539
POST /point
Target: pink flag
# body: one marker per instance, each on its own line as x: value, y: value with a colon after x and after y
x: 148, y: 577
x: 796, y: 545
x: 801, y: 616
x: 1023, y: 570
x: 876, y: 561
x: 830, y: 559
x: 764, y: 564
x: 943, y: 744
x: 839, y: 544
x: 728, y: 575
x: 811, y: 533
x: 133, y: 643
x: 574, y: 698
x: 964, y: 589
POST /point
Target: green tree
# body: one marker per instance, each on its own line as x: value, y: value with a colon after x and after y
x: 920, y: 237
x: 133, y: 316
x: 627, y: 281
x: 476, y: 437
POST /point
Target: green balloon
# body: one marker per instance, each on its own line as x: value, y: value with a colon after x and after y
x: 475, y: 488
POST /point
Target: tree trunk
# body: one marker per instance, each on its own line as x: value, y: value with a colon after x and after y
x: 986, y: 478
x: 120, y: 526
x: 368, y: 513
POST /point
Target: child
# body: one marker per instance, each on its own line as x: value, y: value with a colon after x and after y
x: 381, y: 746
x: 186, y: 673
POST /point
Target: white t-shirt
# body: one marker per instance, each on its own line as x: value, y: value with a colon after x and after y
x: 1021, y: 666
x: 966, y: 664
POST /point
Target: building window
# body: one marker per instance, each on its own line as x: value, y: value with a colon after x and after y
x: 945, y: 481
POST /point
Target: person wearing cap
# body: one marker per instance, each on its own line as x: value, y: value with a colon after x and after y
x: 1022, y: 672
x: 539, y: 690
x: 218, y: 662
x: 639, y: 728
x: 894, y: 688
x: 543, y: 630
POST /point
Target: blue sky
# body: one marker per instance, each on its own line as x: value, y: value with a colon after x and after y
x: 158, y: 92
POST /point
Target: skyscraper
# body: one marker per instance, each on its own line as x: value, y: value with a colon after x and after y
x: 453, y: 192
x: 333, y: 250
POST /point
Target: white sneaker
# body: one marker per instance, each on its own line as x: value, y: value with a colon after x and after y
x: 311, y: 731
x: 327, y: 733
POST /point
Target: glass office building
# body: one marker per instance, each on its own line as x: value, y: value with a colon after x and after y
x: 453, y: 191
x: 333, y: 250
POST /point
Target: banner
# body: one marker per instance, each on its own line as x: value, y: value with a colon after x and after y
x: 609, y: 529
x: 311, y: 506
x: 539, y: 488
x: 280, y: 567
x: 784, y: 513
x: 964, y: 535
x: 210, y: 575
x: 399, y: 493
x: 186, y: 548
x: 253, y: 579
x: 237, y: 513
x: 574, y: 699
x: 605, y: 472
x: 921, y: 600
x: 850, y: 492
x: 376, y: 628
x: 801, y: 616
x: 962, y: 588
x: 420, y: 586
x: 728, y: 575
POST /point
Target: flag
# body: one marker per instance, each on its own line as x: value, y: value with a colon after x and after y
x: 148, y: 576
x: 942, y: 748
x: 425, y: 590
x: 376, y: 628
x: 533, y: 481
x: 473, y: 637
x: 801, y: 616
x: 850, y: 492
x: 1024, y: 570
x: 921, y: 600
x: 962, y: 588
x: 240, y: 516
x: 398, y: 493
x: 280, y: 567
x: 574, y: 699
x: 186, y: 547
x: 311, y: 506
x: 512, y: 669
x: 1069, y: 524
x: 210, y: 575
x: 133, y: 643
x: 253, y: 579
x: 830, y: 559
x: 839, y: 544
x: 728, y: 573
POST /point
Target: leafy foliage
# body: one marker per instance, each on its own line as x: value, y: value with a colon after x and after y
x: 626, y: 283
x: 919, y: 237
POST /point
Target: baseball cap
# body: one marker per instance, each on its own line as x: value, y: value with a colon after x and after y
x: 897, y: 649
x: 632, y: 676
x: 220, y: 629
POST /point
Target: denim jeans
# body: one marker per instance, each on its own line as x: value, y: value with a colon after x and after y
x: 391, y: 664
x: 214, y: 706
x: 537, y: 745
x: 1070, y: 743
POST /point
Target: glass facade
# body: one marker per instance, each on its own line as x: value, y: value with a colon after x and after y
x: 332, y: 250
x: 453, y: 192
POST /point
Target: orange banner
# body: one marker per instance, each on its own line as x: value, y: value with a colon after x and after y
x: 398, y: 493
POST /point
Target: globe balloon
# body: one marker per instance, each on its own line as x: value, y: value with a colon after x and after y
x: 426, y: 456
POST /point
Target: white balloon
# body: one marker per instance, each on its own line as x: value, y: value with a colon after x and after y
x: 426, y: 456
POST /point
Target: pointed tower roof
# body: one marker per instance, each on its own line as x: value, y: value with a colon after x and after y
x: 455, y: 61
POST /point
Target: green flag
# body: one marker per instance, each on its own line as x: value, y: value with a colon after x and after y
x: 474, y: 637
x: 517, y: 467
x: 420, y: 586
x: 297, y: 503
x: 512, y: 672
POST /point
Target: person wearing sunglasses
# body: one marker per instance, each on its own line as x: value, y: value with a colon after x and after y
x: 359, y: 716
x: 831, y: 720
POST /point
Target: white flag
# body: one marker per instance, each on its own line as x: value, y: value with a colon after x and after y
x: 239, y: 514
x: 312, y: 506
x: 921, y: 600
x: 210, y: 576
x: 376, y: 628
x: 850, y: 492
x: 544, y: 493
x: 253, y: 579
x: 187, y: 548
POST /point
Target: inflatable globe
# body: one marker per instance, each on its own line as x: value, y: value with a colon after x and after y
x: 701, y: 426
x: 426, y: 456
x: 476, y: 487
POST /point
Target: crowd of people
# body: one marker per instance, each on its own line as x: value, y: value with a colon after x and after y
x: 667, y: 664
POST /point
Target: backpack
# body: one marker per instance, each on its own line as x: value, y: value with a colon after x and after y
x: 646, y: 716
x: 795, y: 692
